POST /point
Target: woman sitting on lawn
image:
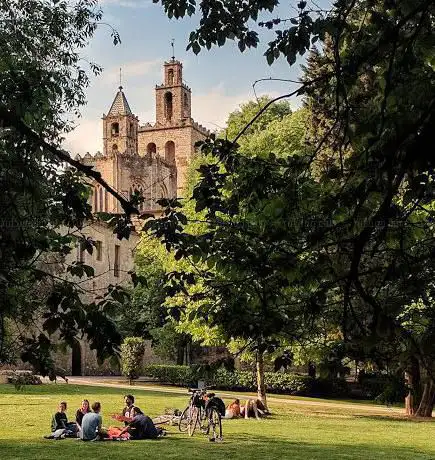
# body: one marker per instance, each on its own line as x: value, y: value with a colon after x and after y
x: 233, y: 409
x: 84, y: 409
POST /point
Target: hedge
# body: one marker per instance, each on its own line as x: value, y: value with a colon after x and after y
x: 276, y: 382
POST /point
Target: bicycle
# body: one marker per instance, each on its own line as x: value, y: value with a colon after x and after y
x: 203, y: 414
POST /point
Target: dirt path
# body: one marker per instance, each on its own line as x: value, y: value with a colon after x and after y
x: 110, y: 382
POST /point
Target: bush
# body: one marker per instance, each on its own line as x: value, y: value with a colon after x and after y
x: 329, y: 387
x: 20, y: 379
x: 132, y: 350
x: 222, y: 379
x: 172, y: 374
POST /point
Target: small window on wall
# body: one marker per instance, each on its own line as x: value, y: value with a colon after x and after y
x: 151, y: 148
x: 117, y: 261
x: 114, y: 148
x: 170, y: 152
x: 168, y: 106
x: 115, y: 129
x: 99, y: 250
x: 101, y: 200
x: 80, y: 252
x: 131, y: 129
x: 106, y: 201
x: 96, y: 199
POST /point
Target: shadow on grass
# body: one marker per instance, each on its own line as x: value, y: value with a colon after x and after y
x: 177, y: 447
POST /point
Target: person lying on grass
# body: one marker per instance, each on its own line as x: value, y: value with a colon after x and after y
x: 253, y: 408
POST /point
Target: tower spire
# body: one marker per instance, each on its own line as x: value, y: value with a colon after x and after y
x: 173, y: 50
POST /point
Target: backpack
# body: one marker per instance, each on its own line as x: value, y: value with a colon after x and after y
x: 217, y: 403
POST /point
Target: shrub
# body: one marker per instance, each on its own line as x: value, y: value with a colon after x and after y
x: 172, y: 374
x: 20, y: 379
x: 222, y: 379
x: 132, y: 350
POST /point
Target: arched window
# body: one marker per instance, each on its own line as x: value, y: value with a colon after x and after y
x: 115, y: 148
x: 101, y: 200
x: 151, y: 148
x: 106, y: 201
x: 95, y: 199
x: 170, y: 152
x: 168, y: 106
x: 170, y: 77
x: 115, y: 129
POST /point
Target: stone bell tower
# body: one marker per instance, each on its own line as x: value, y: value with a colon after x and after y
x: 173, y: 98
x: 120, y: 127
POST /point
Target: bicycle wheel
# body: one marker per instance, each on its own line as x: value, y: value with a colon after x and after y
x: 215, y: 421
x: 193, y: 420
x: 184, y: 420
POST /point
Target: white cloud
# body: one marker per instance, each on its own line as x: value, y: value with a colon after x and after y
x: 87, y: 137
x: 211, y: 109
x: 132, y: 69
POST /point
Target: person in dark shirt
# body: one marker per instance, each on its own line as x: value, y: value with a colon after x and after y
x: 141, y: 426
x: 59, y: 420
x: 84, y: 409
x: 126, y: 415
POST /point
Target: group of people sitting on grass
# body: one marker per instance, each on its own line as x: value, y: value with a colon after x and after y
x: 252, y: 408
x: 88, y: 423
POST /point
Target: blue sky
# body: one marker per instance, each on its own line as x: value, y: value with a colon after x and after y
x: 220, y: 79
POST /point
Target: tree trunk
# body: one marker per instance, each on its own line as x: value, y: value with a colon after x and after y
x: 261, y: 386
x: 427, y: 400
x: 409, y: 398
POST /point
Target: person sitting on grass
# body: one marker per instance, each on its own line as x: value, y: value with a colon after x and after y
x: 253, y: 408
x: 141, y: 426
x: 60, y: 427
x: 92, y: 425
x: 233, y: 409
x: 81, y: 411
x: 126, y: 415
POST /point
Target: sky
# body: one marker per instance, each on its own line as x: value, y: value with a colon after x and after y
x: 220, y: 79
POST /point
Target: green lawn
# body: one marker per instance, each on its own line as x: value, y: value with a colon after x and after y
x: 295, y: 431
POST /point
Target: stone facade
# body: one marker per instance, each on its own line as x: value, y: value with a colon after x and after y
x: 151, y: 159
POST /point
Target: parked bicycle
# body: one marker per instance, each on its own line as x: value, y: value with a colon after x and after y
x: 204, y: 412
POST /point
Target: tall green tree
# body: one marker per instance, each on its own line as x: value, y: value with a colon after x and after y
x: 42, y: 83
x: 358, y: 233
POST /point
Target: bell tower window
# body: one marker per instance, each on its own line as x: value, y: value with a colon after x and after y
x: 115, y: 129
x: 170, y: 77
x: 168, y: 106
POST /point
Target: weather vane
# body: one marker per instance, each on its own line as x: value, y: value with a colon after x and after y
x: 173, y: 49
x: 120, y: 78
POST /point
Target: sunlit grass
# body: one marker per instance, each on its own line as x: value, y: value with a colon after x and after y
x: 294, y: 431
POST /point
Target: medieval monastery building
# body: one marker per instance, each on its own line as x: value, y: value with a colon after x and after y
x: 150, y: 158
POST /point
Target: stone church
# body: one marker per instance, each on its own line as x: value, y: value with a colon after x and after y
x: 150, y: 158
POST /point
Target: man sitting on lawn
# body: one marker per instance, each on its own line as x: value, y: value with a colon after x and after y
x: 60, y: 427
x: 127, y: 414
x: 141, y: 426
x: 91, y: 424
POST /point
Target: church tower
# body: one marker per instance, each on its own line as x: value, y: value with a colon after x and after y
x: 173, y: 97
x: 120, y: 127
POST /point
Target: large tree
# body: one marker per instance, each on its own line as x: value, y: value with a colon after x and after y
x: 44, y: 191
x: 357, y: 232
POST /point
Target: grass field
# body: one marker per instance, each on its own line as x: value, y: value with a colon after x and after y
x: 294, y: 431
